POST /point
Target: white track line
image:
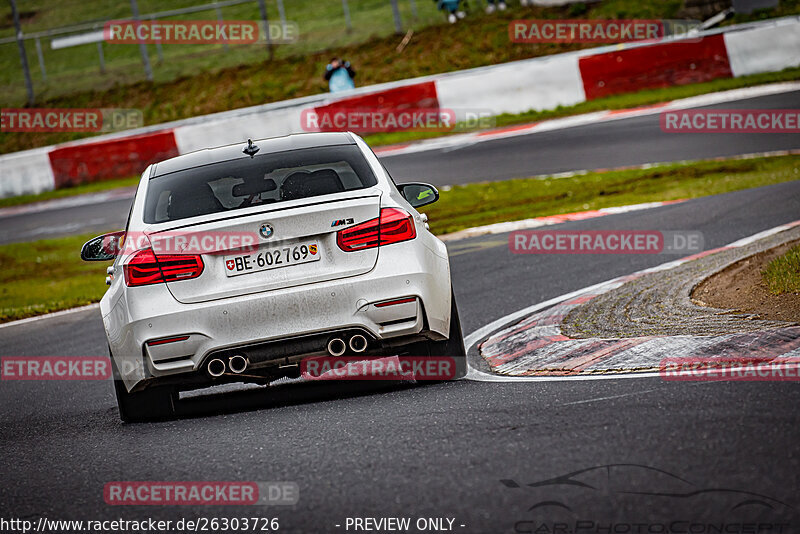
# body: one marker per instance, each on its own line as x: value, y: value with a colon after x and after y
x: 456, y: 141
x: 611, y: 397
x: 69, y: 202
x: 479, y: 376
x: 50, y: 315
x: 484, y: 331
x: 549, y: 220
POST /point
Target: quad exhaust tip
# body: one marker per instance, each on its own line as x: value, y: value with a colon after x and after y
x: 336, y: 346
x: 358, y: 343
x: 216, y: 368
x: 237, y: 363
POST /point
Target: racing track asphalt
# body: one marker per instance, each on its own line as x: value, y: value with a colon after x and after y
x: 623, y: 142
x: 432, y: 450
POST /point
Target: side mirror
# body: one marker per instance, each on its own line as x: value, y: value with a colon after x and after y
x: 419, y: 194
x: 102, y: 248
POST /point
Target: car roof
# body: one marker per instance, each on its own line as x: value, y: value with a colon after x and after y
x: 285, y: 143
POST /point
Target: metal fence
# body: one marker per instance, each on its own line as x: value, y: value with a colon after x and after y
x: 36, y: 62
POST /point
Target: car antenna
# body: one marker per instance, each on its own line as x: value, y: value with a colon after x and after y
x: 250, y: 149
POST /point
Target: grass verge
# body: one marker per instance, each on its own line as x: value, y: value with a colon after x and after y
x: 782, y: 275
x: 209, y: 83
x: 82, y: 189
x: 465, y: 206
x: 48, y: 275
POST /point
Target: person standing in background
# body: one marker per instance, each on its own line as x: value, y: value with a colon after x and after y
x: 496, y: 4
x: 452, y: 8
x: 340, y: 75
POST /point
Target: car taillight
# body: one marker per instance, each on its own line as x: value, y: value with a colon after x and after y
x: 146, y: 268
x: 393, y: 226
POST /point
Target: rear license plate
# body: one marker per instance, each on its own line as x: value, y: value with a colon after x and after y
x: 272, y: 258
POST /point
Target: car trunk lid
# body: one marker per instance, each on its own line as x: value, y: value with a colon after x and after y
x: 294, y: 244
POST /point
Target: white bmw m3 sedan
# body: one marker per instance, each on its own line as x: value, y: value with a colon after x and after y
x: 239, y: 262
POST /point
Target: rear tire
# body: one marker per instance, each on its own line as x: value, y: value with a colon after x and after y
x: 147, y: 405
x: 453, y: 347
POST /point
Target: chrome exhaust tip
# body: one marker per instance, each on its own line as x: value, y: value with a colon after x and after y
x: 336, y: 346
x: 237, y: 363
x: 358, y: 343
x: 216, y: 368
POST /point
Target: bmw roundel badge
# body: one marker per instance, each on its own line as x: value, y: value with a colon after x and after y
x: 266, y: 231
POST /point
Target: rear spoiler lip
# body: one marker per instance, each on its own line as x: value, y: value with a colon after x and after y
x: 155, y: 229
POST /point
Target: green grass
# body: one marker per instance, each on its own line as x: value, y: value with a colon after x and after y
x: 782, y: 275
x: 198, y: 79
x: 321, y: 25
x: 70, y: 191
x: 48, y: 275
x: 465, y: 206
x: 73, y: 69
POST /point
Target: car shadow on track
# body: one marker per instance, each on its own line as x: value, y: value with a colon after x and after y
x: 283, y: 395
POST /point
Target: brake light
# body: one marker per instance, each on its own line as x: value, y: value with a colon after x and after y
x: 145, y: 268
x: 393, y: 226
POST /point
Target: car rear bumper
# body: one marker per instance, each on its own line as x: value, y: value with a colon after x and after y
x: 141, y: 323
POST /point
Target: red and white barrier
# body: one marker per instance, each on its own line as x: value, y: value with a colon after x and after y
x: 763, y: 49
x: 532, y: 84
x: 79, y: 163
x: 26, y: 173
x: 538, y: 84
x: 651, y: 67
x: 225, y: 129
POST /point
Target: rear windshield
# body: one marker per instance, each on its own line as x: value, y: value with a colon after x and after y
x: 265, y: 179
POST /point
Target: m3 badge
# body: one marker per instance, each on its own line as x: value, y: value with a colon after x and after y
x: 340, y: 222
